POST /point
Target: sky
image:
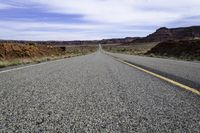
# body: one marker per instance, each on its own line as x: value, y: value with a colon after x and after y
x: 92, y: 19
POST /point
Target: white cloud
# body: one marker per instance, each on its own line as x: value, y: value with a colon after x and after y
x: 5, y: 6
x: 109, y: 18
x: 23, y: 30
x: 42, y: 35
x: 126, y: 11
x: 24, y: 25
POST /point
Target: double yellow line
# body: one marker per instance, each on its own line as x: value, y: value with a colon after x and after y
x: 193, y: 90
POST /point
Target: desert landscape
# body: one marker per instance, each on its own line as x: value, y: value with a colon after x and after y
x: 178, y: 43
x: 99, y: 66
x: 26, y: 53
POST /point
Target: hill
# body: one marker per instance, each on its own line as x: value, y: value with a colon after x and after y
x: 185, y: 49
x: 163, y: 34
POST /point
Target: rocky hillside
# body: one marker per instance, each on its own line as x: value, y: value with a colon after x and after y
x: 163, y: 34
x: 187, y: 49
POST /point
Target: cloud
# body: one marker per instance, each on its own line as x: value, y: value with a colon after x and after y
x: 5, y: 6
x: 43, y: 35
x: 25, y: 25
x: 126, y: 11
x: 92, y: 19
x: 24, y: 30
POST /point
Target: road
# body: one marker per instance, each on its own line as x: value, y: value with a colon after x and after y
x: 183, y: 71
x: 93, y: 93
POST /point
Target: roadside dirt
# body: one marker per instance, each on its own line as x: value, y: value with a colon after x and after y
x: 17, y: 54
x: 185, y: 49
x: 10, y: 51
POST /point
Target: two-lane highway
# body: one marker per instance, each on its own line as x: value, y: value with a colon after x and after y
x: 93, y: 93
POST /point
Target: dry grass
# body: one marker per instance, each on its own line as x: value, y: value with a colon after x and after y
x: 135, y: 49
x: 70, y: 51
x: 20, y: 61
x: 182, y: 49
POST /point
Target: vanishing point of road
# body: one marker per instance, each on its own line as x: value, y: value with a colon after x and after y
x: 96, y: 93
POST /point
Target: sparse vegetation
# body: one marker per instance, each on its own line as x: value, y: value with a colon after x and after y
x: 16, y: 54
x: 183, y: 49
x: 135, y: 49
x: 175, y: 49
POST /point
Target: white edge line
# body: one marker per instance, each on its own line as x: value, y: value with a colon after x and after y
x: 19, y: 68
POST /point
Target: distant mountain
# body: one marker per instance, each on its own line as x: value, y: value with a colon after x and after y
x: 86, y: 42
x: 163, y: 34
x: 118, y: 40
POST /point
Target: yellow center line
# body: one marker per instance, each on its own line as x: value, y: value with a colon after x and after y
x: 161, y: 77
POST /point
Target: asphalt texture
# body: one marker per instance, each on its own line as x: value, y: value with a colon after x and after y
x: 93, y: 93
x: 186, y: 72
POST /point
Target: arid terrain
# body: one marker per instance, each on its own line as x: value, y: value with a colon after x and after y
x: 181, y: 43
x: 99, y: 66
x: 182, y: 49
x: 135, y: 49
x: 15, y: 54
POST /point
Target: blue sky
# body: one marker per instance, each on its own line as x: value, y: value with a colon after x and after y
x: 92, y: 19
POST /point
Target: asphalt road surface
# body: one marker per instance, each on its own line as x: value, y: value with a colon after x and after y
x: 183, y: 71
x: 93, y: 93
